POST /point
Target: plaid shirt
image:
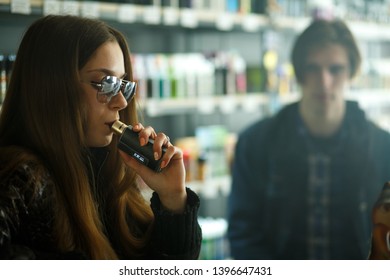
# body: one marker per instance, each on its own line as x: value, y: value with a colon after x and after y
x: 318, y: 201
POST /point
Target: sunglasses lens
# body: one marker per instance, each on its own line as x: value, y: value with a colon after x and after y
x: 111, y: 85
x: 128, y: 90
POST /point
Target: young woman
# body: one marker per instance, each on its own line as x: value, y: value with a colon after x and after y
x: 66, y: 191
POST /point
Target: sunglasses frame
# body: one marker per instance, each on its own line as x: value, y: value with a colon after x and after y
x: 106, y: 96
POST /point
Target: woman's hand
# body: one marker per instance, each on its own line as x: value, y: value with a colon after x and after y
x: 170, y: 182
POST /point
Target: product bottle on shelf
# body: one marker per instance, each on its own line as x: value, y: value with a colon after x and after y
x: 380, y: 245
x: 3, y: 77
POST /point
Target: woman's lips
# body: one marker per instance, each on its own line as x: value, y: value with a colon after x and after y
x: 110, y: 123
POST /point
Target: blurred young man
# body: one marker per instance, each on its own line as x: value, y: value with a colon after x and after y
x: 305, y: 180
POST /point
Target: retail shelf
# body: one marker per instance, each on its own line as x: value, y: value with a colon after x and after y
x: 368, y: 99
x: 374, y: 101
x: 363, y: 30
x: 205, y: 105
x: 251, y: 102
x: 248, y: 102
x: 128, y: 13
x: 191, y: 18
x: 208, y: 188
x: 213, y: 187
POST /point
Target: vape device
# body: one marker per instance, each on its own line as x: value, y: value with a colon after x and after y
x: 129, y: 143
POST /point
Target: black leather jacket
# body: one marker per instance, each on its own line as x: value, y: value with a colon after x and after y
x: 26, y: 222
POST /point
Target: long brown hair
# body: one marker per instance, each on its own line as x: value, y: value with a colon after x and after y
x: 44, y: 112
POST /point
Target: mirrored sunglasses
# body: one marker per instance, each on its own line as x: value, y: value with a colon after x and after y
x: 110, y: 86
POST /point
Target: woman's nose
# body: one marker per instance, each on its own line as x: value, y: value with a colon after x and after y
x: 118, y: 102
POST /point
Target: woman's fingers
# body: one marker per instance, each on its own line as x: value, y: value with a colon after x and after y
x: 144, y: 133
x: 161, y: 143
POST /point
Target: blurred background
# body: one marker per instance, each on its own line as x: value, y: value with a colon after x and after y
x: 207, y: 69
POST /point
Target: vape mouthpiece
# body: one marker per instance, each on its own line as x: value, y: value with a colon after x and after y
x: 118, y: 127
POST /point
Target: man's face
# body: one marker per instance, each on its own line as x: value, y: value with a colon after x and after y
x: 326, y: 78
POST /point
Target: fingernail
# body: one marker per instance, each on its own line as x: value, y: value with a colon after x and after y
x: 156, y: 156
x: 163, y: 164
x: 142, y: 141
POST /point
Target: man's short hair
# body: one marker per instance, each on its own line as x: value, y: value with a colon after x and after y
x: 318, y: 34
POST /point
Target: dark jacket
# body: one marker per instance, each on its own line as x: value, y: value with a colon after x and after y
x: 267, y: 208
x: 26, y: 225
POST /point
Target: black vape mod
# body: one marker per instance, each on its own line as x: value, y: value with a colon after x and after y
x: 129, y: 143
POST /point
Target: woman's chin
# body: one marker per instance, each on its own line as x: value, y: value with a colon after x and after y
x: 104, y: 142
